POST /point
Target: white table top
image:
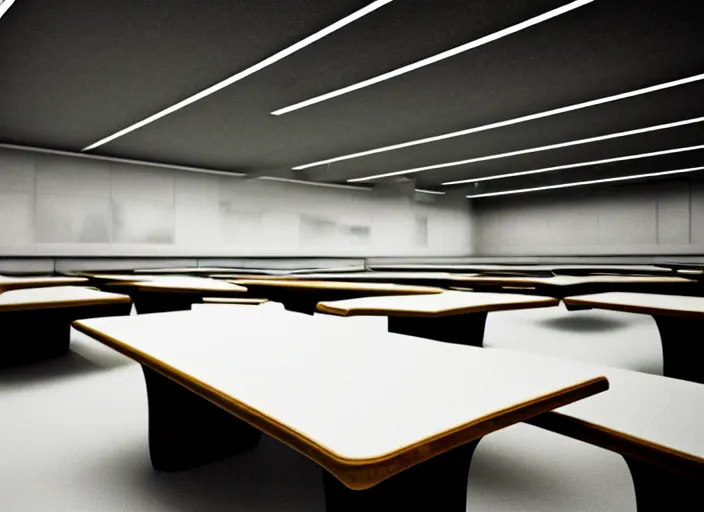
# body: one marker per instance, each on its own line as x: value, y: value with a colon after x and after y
x: 189, y: 284
x: 370, y: 276
x: 233, y: 300
x: 388, y: 288
x: 15, y: 283
x: 125, y: 277
x: 56, y: 297
x: 649, y: 303
x: 648, y: 409
x: 346, y: 400
x: 569, y: 280
x: 180, y: 270
x: 447, y: 303
x: 526, y: 268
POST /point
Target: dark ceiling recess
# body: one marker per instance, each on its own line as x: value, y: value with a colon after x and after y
x: 72, y: 73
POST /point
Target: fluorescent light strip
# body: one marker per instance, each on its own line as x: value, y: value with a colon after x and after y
x: 580, y: 164
x: 435, y: 192
x: 435, y: 58
x: 120, y: 160
x: 314, y: 183
x: 532, y: 150
x: 249, y: 71
x: 590, y: 182
x: 4, y: 6
x: 508, y: 122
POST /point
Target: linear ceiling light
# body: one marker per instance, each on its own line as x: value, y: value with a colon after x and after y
x: 245, y: 73
x: 5, y: 5
x: 435, y: 58
x: 590, y: 182
x: 580, y: 164
x: 426, y: 191
x: 508, y: 122
x: 533, y: 150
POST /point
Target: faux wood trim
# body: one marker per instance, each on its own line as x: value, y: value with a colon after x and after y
x: 359, y: 473
x: 628, y: 308
x: 641, y: 449
x: 64, y: 304
x: 331, y: 308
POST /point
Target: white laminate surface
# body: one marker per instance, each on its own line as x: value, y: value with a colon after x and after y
x: 436, y: 304
x: 358, y: 397
x: 125, y: 277
x: 374, y: 276
x: 643, y: 302
x: 12, y: 282
x: 570, y: 280
x: 57, y: 295
x: 340, y: 285
x: 195, y: 284
x: 180, y: 270
x: 233, y: 300
x: 656, y: 409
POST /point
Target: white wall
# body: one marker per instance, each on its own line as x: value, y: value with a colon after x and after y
x: 61, y: 205
x: 647, y: 218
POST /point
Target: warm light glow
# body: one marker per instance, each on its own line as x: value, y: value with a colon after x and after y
x: 533, y: 150
x: 580, y: 164
x: 249, y: 71
x: 508, y: 122
x: 435, y: 58
x: 590, y: 182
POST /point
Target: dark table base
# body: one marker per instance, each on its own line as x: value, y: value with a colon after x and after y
x: 466, y: 329
x: 38, y: 334
x: 186, y: 431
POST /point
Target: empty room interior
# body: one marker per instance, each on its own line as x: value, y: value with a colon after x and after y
x: 351, y: 255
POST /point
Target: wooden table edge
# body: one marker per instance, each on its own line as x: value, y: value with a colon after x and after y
x: 145, y: 287
x: 627, y: 308
x: 70, y: 281
x: 402, y: 289
x: 65, y: 304
x: 325, y: 307
x: 360, y: 474
x: 663, y: 456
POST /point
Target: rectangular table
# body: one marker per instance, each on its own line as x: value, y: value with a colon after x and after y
x: 303, y: 295
x: 454, y: 317
x: 680, y: 320
x: 392, y: 419
x: 176, y: 293
x: 17, y: 283
x: 536, y: 270
x: 651, y: 421
x: 420, y: 278
x: 562, y: 286
x: 36, y: 322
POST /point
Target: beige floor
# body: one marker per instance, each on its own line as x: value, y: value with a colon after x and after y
x: 73, y: 437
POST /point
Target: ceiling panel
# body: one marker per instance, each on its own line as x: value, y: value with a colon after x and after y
x: 81, y: 70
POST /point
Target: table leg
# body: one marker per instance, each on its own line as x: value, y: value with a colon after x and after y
x: 439, y: 484
x: 467, y: 329
x: 186, y: 430
x: 154, y: 302
x: 682, y: 347
x: 301, y: 306
x: 29, y: 336
x: 658, y: 489
x: 38, y: 334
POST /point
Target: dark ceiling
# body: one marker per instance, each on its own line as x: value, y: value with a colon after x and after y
x: 72, y: 73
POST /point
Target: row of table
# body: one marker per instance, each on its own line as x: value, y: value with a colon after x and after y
x: 393, y: 419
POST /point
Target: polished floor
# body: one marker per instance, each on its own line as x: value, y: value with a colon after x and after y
x: 73, y: 436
